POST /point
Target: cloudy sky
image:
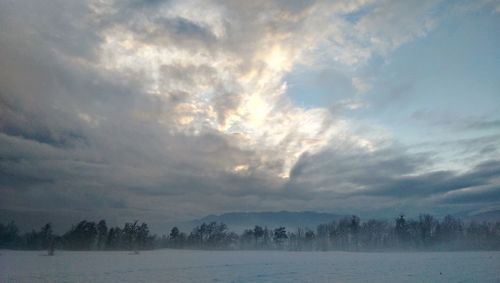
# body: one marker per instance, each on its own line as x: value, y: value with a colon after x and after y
x: 172, y: 110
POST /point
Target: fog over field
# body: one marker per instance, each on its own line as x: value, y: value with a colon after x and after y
x: 325, y: 126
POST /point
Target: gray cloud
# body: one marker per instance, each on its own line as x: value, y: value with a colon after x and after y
x: 395, y: 174
x: 166, y: 110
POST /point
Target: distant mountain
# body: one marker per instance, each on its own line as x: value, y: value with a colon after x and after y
x: 238, y: 221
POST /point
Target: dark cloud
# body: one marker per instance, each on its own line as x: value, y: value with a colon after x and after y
x: 478, y: 196
x: 346, y: 166
x: 393, y: 173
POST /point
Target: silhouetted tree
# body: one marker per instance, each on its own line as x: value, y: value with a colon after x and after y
x: 9, y: 235
x: 310, y: 237
x: 247, y: 239
x: 450, y: 231
x: 427, y: 226
x: 130, y: 235
x: 82, y: 236
x: 354, y: 231
x: 174, y: 238
x: 174, y: 233
x: 45, y: 236
x: 323, y: 232
x: 402, y: 230
x: 114, y: 239
x: 102, y: 234
x: 143, y: 238
x: 348, y: 234
x: 258, y: 233
x: 342, y: 234
x: 280, y: 236
x: 375, y: 234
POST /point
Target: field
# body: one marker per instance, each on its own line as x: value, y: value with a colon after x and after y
x: 248, y: 266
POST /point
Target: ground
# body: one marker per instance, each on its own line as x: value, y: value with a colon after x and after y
x: 248, y: 266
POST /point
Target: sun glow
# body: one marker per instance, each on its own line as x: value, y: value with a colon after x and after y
x: 241, y: 168
x: 277, y: 59
x: 265, y: 120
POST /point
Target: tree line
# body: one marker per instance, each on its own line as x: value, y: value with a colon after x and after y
x: 85, y: 235
x: 348, y: 234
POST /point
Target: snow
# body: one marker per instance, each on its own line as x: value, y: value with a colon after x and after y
x: 248, y: 266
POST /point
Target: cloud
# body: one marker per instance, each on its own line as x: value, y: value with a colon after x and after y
x: 244, y: 69
x: 176, y: 109
x: 360, y: 85
x: 394, y: 174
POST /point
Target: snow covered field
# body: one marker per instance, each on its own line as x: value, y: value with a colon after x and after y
x: 248, y: 266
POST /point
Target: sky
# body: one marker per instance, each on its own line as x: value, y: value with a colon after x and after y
x: 172, y: 110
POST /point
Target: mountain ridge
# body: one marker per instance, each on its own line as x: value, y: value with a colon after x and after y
x: 238, y: 221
